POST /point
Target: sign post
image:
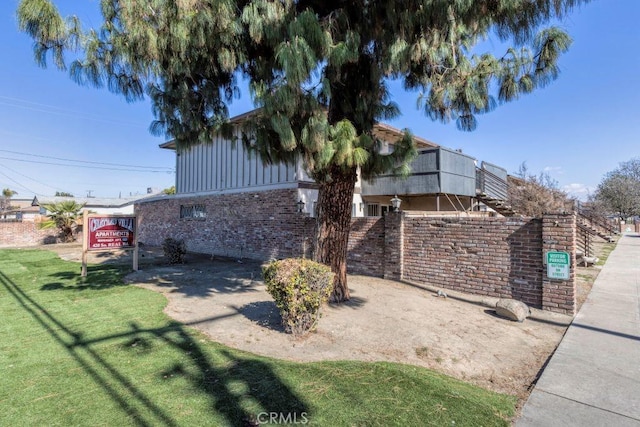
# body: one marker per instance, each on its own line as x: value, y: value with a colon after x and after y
x: 108, y: 232
x: 558, y: 265
x: 85, y: 222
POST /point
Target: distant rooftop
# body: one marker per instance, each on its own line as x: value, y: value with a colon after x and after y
x: 92, y: 202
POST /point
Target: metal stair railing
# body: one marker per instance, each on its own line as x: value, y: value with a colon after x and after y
x: 490, y: 185
x: 599, y: 223
x: 584, y: 240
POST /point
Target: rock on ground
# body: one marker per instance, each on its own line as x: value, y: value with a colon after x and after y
x: 512, y: 309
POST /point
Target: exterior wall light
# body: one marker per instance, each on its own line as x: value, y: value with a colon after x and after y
x: 395, y: 202
x: 300, y: 205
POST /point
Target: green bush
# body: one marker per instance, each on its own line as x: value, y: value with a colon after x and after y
x: 174, y: 250
x: 299, y: 287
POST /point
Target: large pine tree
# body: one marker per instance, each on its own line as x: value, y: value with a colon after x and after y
x: 317, y: 68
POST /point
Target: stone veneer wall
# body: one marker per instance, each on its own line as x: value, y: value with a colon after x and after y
x: 26, y: 233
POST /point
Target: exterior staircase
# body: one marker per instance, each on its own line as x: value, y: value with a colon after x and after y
x: 491, y: 189
x: 597, y: 225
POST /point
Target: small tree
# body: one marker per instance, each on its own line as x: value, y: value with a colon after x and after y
x: 619, y: 191
x: 533, y: 195
x: 63, y: 216
x: 5, y: 202
x: 169, y: 191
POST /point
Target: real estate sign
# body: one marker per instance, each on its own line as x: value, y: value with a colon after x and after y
x: 558, y: 264
x: 110, y: 232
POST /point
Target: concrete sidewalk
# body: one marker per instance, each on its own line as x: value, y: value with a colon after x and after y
x: 593, y: 379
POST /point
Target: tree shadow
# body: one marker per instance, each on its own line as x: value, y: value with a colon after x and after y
x: 353, y: 303
x: 99, y: 277
x: 204, y: 278
x: 263, y: 313
x: 219, y: 379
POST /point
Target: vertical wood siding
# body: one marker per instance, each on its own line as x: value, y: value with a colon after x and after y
x: 224, y: 165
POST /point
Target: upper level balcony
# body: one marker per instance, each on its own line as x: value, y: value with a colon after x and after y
x: 442, y: 171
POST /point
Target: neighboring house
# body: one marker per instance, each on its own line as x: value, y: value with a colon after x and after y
x: 19, y: 210
x: 441, y: 179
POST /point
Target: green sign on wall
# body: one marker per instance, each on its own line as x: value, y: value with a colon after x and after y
x: 558, y: 265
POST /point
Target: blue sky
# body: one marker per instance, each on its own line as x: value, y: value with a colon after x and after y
x: 576, y: 129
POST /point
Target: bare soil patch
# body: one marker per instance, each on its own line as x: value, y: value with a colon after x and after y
x: 384, y: 321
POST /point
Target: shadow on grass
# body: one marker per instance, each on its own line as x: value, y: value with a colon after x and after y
x: 103, y: 276
x: 218, y: 380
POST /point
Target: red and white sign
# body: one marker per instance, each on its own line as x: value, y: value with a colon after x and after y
x: 111, y: 232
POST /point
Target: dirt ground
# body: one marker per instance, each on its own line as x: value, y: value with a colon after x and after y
x: 385, y: 320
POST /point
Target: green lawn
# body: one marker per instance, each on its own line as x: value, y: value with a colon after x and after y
x: 605, y: 251
x: 101, y: 353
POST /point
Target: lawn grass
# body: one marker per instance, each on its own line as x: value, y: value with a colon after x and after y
x: 605, y: 251
x: 97, y: 352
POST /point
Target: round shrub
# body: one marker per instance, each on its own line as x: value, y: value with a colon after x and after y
x: 174, y: 250
x: 299, y: 287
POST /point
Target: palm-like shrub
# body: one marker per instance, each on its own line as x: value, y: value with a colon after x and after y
x: 63, y: 216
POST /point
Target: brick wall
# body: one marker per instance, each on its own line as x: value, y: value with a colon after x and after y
x: 499, y: 257
x: 258, y: 225
x: 559, y: 234
x: 366, y: 250
x: 27, y: 233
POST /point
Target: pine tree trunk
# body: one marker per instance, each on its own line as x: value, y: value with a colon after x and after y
x: 332, y: 228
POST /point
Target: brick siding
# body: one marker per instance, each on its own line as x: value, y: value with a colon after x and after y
x: 26, y: 233
x: 256, y: 225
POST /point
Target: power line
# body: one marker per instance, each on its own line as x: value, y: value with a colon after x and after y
x: 52, y: 109
x: 88, y: 161
x: 28, y: 177
x: 20, y: 185
x: 87, y: 167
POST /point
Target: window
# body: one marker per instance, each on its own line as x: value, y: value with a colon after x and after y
x: 373, y: 209
x: 193, y: 212
x: 376, y: 209
x: 353, y: 210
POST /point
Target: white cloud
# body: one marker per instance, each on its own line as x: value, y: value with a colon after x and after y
x: 579, y: 191
x: 557, y: 170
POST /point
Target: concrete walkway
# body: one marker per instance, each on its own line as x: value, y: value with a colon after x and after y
x: 593, y: 379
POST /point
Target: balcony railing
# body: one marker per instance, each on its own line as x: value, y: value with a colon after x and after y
x: 490, y: 185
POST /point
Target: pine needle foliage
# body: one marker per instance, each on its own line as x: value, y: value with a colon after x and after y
x: 318, y: 70
x: 300, y: 57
